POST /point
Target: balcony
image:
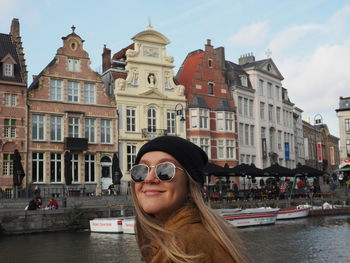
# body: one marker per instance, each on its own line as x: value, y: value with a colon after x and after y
x: 150, y: 134
x: 75, y: 144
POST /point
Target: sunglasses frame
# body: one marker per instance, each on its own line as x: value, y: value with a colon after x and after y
x: 155, y: 166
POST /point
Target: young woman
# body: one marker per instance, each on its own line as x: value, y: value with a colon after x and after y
x: 173, y: 224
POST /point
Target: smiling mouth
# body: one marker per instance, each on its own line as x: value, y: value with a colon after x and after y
x: 152, y: 192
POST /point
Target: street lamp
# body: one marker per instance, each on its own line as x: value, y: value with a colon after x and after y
x: 318, y: 120
x: 179, y: 111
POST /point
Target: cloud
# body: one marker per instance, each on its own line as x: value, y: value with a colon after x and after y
x: 290, y: 36
x: 250, y: 35
x: 315, y: 82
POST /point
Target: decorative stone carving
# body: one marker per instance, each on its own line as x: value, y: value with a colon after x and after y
x: 150, y: 52
x: 181, y: 90
x: 135, y: 52
x: 167, y: 82
x: 120, y: 84
x: 151, y: 80
x: 169, y: 59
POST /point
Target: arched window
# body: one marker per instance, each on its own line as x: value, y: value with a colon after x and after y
x: 151, y: 119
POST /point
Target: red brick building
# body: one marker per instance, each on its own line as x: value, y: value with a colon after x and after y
x: 13, y: 110
x: 211, y: 111
x: 72, y: 124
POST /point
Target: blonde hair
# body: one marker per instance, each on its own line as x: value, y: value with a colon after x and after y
x: 149, y: 229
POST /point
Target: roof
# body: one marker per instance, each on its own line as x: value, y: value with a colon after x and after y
x: 121, y: 53
x: 9, y: 47
x: 234, y: 73
x: 223, y: 105
x: 344, y: 104
x: 198, y: 102
x: 35, y: 82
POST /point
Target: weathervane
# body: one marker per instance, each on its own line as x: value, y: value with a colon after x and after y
x: 149, y: 23
x: 73, y: 28
x: 268, y: 53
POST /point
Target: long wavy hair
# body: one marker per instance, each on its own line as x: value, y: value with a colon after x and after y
x: 148, y: 230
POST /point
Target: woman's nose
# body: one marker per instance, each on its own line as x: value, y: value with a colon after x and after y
x: 152, y: 177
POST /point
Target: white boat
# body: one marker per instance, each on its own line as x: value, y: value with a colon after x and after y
x: 113, y: 225
x: 293, y: 212
x: 250, y: 216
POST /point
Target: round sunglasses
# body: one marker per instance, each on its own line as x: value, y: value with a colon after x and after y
x: 164, y: 171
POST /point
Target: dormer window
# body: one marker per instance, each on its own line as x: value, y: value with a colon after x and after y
x: 244, y: 81
x: 73, y: 65
x: 8, y: 66
x: 8, y: 70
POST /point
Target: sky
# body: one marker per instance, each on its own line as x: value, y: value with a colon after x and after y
x: 309, y: 40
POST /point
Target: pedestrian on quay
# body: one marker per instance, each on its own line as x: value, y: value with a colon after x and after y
x: 173, y: 224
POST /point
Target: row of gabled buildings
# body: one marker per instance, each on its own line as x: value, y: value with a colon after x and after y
x: 71, y: 119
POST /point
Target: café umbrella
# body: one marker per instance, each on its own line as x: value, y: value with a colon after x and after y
x: 116, y: 172
x: 68, y: 168
x: 18, y: 172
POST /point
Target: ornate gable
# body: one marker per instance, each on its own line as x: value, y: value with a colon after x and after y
x: 269, y: 67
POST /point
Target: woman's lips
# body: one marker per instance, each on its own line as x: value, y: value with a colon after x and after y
x: 152, y: 192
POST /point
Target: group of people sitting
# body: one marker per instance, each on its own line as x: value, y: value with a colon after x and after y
x: 36, y: 202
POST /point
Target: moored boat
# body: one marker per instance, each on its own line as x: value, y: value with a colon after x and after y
x: 293, y: 212
x: 250, y: 216
x: 113, y: 225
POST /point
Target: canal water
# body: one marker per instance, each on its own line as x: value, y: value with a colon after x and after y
x: 313, y: 239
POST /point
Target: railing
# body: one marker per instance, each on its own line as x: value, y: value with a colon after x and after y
x: 154, y: 133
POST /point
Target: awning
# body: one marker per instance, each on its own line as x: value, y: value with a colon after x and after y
x: 346, y: 168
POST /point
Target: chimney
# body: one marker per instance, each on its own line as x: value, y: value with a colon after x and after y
x: 220, y: 56
x: 208, y: 46
x: 246, y: 58
x: 106, y: 58
x: 15, y: 28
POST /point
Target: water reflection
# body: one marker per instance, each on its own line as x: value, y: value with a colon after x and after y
x: 311, y: 240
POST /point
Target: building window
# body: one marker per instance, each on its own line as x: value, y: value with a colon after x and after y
x: 73, y: 65
x: 270, y: 90
x: 170, y: 122
x: 241, y: 133
x: 73, y: 127
x: 56, y: 89
x: 252, y: 142
x: 7, y: 164
x: 203, y: 118
x: 241, y: 158
x: 230, y: 149
x: 105, y: 131
x: 270, y: 112
x: 251, y: 109
x: 347, y: 125
x: 240, y: 102
x: 55, y: 168
x: 246, y: 134
x: 9, y: 128
x: 253, y: 159
x: 73, y: 91
x: 89, y: 93
x: 278, y: 93
x: 56, y: 128
x: 90, y: 130
x: 38, y: 127
x: 263, y: 132
x: 279, y: 140
x: 229, y: 121
x: 194, y: 118
x: 204, y: 143
x: 38, y: 167
x: 130, y: 119
x: 221, y: 149
x: 261, y: 87
x: 244, y: 81
x: 262, y: 110
x: 152, y: 120
x: 220, y: 124
x: 211, y: 88
x: 75, y: 168
x: 210, y: 63
x: 89, y: 168
x: 278, y: 115
x: 130, y: 155
x: 8, y: 71
x: 10, y: 99
x: 245, y: 107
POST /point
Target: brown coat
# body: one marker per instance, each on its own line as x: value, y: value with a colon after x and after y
x: 193, y: 239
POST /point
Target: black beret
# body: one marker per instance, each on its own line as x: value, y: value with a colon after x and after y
x: 189, y: 155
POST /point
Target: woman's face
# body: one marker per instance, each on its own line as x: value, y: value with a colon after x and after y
x: 161, y: 198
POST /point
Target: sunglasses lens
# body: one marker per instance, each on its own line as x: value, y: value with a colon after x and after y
x: 165, y: 171
x: 139, y: 173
